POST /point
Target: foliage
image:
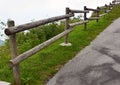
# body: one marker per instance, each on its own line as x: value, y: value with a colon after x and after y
x: 102, y: 11
x: 28, y: 39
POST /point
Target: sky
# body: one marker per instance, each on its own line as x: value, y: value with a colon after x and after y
x: 24, y: 11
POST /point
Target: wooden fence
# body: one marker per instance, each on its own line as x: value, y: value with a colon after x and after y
x: 12, y: 30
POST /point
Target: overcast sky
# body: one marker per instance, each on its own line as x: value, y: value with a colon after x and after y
x: 23, y: 11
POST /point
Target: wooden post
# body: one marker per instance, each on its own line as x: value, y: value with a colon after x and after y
x: 113, y: 2
x: 85, y: 18
x: 105, y: 10
x: 14, y: 53
x: 97, y: 14
x: 109, y: 6
x: 67, y: 26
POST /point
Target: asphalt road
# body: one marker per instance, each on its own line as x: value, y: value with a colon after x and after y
x: 97, y: 64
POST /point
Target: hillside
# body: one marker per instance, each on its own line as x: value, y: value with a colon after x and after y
x: 40, y: 67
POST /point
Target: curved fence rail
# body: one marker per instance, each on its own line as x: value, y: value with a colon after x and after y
x: 12, y: 30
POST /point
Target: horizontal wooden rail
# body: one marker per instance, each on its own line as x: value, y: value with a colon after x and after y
x: 108, y: 11
x: 93, y: 18
x: 34, y: 50
x: 111, y: 5
x: 118, y: 1
x: 92, y: 9
x: 106, y: 5
x: 79, y: 11
x: 78, y: 23
x: 113, y: 2
x: 101, y: 9
x: 102, y: 15
x: 16, y: 29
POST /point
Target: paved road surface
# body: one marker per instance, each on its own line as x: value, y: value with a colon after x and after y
x: 97, y: 64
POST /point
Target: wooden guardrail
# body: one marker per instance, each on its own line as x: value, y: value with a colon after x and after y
x: 16, y: 29
x: 12, y: 30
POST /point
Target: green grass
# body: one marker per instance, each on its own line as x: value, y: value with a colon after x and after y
x: 40, y: 67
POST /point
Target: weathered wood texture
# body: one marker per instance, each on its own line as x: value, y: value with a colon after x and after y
x: 78, y: 23
x: 105, y: 9
x: 106, y: 5
x: 16, y: 29
x: 34, y: 50
x: 67, y: 26
x: 79, y: 11
x: 13, y: 47
x: 111, y: 5
x: 108, y: 11
x: 93, y: 18
x: 102, y: 14
x: 90, y: 9
x: 113, y: 2
x: 85, y: 18
x: 97, y: 13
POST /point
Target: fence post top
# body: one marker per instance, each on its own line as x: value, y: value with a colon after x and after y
x: 85, y: 6
x: 10, y: 20
x: 105, y: 4
x: 10, y: 23
x: 67, y: 8
x: 113, y: 1
x: 98, y: 7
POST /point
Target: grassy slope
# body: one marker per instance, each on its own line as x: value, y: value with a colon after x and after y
x: 40, y: 67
